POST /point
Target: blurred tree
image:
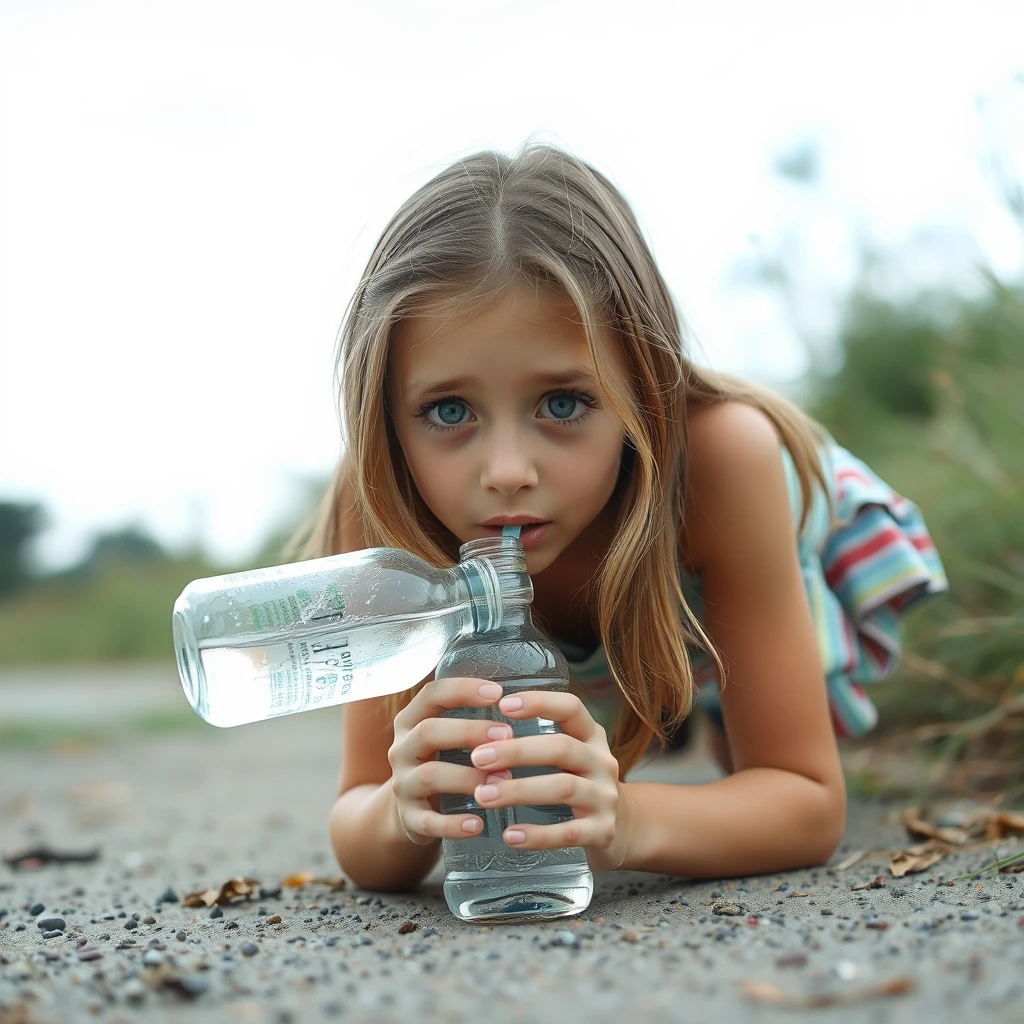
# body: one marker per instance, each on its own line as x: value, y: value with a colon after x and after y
x: 127, y: 546
x: 18, y: 525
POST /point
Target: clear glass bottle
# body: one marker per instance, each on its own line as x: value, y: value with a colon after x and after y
x: 487, y: 879
x: 311, y: 634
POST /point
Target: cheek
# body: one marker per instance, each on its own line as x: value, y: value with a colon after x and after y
x: 593, y: 471
x: 435, y: 476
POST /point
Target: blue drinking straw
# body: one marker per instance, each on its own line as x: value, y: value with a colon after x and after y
x: 511, y: 531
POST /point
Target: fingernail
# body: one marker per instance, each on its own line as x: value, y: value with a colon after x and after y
x: 498, y: 732
x: 511, y: 704
x: 485, y: 756
x: 470, y: 824
x: 489, y: 691
x: 488, y: 792
x: 513, y: 835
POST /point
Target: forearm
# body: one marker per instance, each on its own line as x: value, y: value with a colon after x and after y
x: 752, y: 822
x: 370, y: 845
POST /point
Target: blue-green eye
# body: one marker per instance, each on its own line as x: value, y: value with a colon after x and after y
x: 562, y: 403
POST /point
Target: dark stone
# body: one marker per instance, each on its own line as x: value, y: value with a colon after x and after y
x: 250, y: 949
x: 131, y: 924
x: 216, y: 912
x: 49, y: 924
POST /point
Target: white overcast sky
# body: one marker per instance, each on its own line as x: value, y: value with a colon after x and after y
x: 188, y: 192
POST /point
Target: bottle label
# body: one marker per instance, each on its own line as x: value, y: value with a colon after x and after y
x: 306, y: 675
x: 294, y: 609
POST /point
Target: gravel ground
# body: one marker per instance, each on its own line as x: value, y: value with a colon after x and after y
x: 189, y: 810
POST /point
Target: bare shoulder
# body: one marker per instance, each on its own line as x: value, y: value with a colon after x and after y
x: 733, y: 461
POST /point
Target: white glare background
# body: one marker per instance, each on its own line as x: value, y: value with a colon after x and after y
x: 189, y: 190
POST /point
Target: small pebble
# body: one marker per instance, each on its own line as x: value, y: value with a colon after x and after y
x: 407, y: 926
x: 216, y: 912
x: 49, y: 924
x: 180, y: 935
x: 270, y: 893
x: 565, y: 939
x: 134, y: 991
x: 152, y: 958
x: 274, y: 919
x: 250, y: 949
x: 150, y: 919
x: 825, y: 912
x: 55, y: 934
x: 131, y: 924
x: 88, y: 953
x: 167, y: 896
x: 36, y: 909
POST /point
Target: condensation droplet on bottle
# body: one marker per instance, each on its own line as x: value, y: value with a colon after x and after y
x: 206, y: 618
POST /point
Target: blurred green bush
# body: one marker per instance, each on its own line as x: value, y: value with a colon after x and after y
x: 933, y: 400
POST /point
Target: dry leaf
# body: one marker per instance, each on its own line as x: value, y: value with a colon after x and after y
x: 1003, y: 823
x: 101, y: 793
x: 878, y: 882
x: 301, y: 878
x: 764, y: 992
x: 918, y: 858
x: 232, y: 888
x: 854, y: 858
x: 920, y: 829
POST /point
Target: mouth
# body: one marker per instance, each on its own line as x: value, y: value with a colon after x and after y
x: 524, y: 521
x: 530, y: 536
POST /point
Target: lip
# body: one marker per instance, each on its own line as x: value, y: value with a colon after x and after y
x: 520, y: 520
x: 530, y: 536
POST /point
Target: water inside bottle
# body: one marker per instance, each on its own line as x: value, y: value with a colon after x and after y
x: 241, y: 684
x: 488, y: 879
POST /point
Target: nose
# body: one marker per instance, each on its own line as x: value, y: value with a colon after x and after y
x: 509, y: 464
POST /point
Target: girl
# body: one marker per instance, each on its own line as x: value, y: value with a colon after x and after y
x: 512, y: 355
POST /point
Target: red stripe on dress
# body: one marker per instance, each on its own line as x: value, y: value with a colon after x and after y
x: 837, y: 569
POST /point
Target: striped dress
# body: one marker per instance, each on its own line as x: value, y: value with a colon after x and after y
x: 861, y: 573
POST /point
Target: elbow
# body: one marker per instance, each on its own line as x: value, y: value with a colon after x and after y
x: 829, y: 824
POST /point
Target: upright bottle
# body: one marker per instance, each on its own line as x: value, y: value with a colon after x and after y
x: 487, y: 879
x: 311, y: 634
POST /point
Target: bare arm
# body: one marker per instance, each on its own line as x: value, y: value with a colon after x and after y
x: 363, y: 826
x: 365, y: 832
x: 785, y: 805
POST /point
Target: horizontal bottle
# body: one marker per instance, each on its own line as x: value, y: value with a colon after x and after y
x: 312, y: 634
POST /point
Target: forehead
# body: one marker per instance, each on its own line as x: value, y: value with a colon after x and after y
x: 524, y: 330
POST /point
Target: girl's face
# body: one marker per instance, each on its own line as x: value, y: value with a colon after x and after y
x: 502, y: 414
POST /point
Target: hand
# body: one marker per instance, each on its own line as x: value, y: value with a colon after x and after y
x: 588, y: 783
x: 418, y: 777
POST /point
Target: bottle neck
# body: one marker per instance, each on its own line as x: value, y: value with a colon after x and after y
x: 501, y: 590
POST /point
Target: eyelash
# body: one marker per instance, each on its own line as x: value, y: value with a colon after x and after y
x: 580, y: 396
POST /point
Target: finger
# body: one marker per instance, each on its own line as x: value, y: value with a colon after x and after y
x: 556, y: 788
x: 566, y: 709
x: 586, y: 831
x: 439, y: 695
x: 450, y: 734
x: 556, y: 751
x: 436, y: 777
x: 421, y: 820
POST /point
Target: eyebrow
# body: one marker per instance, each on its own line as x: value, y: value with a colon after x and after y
x: 424, y: 388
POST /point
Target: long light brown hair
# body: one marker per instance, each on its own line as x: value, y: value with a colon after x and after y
x: 544, y: 218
